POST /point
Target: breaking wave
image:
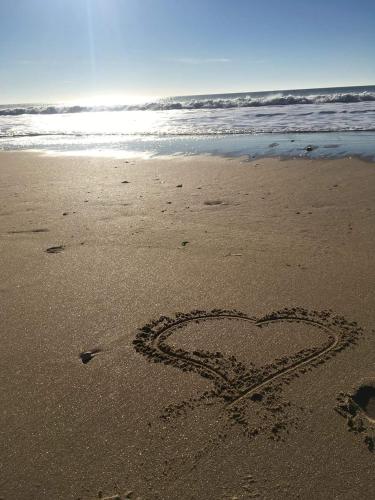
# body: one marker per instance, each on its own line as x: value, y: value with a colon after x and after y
x: 245, y: 101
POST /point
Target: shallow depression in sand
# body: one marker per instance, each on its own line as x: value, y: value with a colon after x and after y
x: 364, y: 397
x: 245, y: 340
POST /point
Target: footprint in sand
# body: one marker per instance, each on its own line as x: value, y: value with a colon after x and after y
x: 56, y: 249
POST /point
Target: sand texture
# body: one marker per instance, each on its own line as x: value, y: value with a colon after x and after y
x: 186, y: 328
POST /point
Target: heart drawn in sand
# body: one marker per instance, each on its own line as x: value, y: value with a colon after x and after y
x: 236, y: 382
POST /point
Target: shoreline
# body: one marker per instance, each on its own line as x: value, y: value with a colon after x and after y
x: 319, y: 145
x: 94, y: 250
x: 98, y: 156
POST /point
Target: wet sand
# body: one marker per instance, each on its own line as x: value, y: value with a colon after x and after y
x: 186, y: 328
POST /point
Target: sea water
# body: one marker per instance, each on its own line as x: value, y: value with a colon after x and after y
x: 312, y: 122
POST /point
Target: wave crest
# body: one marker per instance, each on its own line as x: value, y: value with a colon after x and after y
x: 191, y: 104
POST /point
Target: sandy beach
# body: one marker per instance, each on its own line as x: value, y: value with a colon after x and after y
x: 190, y: 327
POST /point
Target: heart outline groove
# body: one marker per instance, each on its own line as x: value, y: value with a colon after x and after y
x: 246, y: 384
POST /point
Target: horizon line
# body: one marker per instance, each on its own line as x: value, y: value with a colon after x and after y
x: 197, y: 95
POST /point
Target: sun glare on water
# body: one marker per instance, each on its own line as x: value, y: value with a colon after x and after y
x: 111, y: 118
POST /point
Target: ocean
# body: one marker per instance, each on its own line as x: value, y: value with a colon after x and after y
x: 324, y: 122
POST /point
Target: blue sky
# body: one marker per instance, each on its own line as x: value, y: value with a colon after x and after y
x: 56, y: 50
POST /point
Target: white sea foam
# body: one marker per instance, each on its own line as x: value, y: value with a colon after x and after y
x: 246, y: 101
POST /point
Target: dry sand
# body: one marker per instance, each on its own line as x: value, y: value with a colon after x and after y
x: 246, y: 394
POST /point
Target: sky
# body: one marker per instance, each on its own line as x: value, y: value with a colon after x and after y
x: 121, y: 50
